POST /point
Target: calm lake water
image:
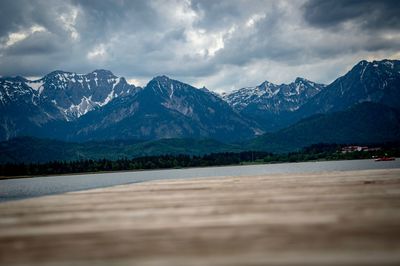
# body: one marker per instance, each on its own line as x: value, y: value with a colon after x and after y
x: 14, y: 189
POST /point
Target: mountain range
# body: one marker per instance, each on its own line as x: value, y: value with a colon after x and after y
x: 100, y: 106
x: 27, y: 107
x: 269, y: 104
x: 165, y: 108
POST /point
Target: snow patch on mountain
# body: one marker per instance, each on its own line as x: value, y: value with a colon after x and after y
x: 269, y: 96
x: 109, y: 97
x: 14, y: 90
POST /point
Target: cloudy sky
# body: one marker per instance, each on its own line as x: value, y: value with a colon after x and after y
x: 222, y: 45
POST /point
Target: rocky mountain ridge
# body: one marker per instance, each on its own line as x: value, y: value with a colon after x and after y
x: 274, y: 98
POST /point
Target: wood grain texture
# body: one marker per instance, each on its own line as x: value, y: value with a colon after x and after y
x: 332, y: 218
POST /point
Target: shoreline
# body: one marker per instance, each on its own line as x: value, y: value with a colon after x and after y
x: 23, y: 188
x: 178, y: 168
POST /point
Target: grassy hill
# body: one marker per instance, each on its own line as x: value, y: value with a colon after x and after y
x: 363, y: 124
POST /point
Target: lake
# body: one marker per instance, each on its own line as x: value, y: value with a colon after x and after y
x: 14, y: 189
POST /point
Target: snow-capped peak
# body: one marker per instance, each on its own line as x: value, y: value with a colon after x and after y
x: 271, y: 96
x: 73, y: 94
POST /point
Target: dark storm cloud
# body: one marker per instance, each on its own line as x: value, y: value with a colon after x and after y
x: 244, y: 43
x: 280, y: 37
x: 117, y: 25
x: 220, y: 14
x: 105, y: 16
x: 19, y: 14
x: 369, y: 14
x: 265, y: 39
x: 220, y: 44
x: 12, y: 16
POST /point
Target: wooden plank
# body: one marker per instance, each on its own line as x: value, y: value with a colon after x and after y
x: 332, y: 218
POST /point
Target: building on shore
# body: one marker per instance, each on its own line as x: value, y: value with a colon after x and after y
x: 349, y: 149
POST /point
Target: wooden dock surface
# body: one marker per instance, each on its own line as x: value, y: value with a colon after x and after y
x: 333, y: 218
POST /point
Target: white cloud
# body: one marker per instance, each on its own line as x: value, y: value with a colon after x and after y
x: 203, y: 42
x: 97, y: 53
x: 139, y: 82
x: 16, y: 37
x: 254, y: 19
x: 68, y: 21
